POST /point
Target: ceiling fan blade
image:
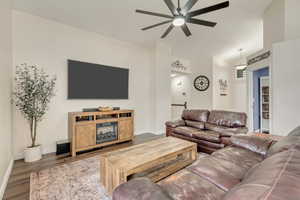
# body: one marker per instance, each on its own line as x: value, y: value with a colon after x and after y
x: 155, y: 25
x: 186, y: 30
x: 188, y: 6
x: 167, y: 31
x: 208, y: 9
x: 154, y: 14
x: 171, y: 6
x: 201, y: 22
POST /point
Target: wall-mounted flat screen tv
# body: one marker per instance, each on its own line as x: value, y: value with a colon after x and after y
x: 94, y: 81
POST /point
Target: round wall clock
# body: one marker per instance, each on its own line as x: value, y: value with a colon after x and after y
x: 201, y: 83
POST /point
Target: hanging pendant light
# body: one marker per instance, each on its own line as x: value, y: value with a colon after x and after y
x: 241, y: 66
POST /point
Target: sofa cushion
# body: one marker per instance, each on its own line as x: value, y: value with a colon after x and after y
x: 242, y: 157
x: 187, y: 185
x: 284, y: 144
x: 197, y: 134
x: 253, y: 143
x: 225, y: 168
x: 226, y: 131
x: 277, y: 177
x: 195, y: 124
x: 140, y: 189
x: 220, y: 172
x: 195, y: 115
x: 295, y: 132
x: 202, y: 142
x: 186, y: 130
x: 227, y: 119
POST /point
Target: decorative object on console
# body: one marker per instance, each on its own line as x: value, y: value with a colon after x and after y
x: 105, y: 109
x: 182, y: 15
x: 33, y: 92
x: 201, y: 83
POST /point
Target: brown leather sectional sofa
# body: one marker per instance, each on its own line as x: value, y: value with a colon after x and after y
x: 253, y: 168
x: 211, y: 130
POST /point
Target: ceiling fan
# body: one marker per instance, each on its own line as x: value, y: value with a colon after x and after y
x: 182, y: 15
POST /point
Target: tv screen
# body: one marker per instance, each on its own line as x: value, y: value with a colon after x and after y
x: 93, y: 81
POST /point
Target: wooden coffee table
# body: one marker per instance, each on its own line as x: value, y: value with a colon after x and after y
x: 156, y: 160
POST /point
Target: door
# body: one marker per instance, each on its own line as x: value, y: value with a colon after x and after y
x: 264, y: 72
x: 264, y: 105
x: 85, y: 136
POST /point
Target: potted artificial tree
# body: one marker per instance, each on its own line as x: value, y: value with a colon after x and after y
x: 33, y: 92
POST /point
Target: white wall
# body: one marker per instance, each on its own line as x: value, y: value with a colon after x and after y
x: 281, y: 22
x: 285, y: 84
x: 239, y: 94
x: 163, y: 59
x: 5, y: 97
x: 274, y: 23
x: 223, y: 72
x: 292, y: 22
x: 201, y: 100
x: 49, y: 44
x: 180, y: 85
x: 236, y: 100
x: 195, y: 99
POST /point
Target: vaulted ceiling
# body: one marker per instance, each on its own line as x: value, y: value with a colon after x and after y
x: 239, y: 26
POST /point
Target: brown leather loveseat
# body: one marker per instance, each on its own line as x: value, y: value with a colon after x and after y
x: 253, y: 168
x: 211, y: 130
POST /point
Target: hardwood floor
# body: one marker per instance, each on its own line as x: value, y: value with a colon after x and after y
x: 19, y: 181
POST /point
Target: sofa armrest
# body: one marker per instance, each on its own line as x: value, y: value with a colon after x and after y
x: 175, y: 124
x: 140, y: 189
x: 255, y: 144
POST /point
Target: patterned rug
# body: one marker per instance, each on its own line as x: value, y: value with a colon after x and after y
x: 78, y: 180
x: 73, y: 181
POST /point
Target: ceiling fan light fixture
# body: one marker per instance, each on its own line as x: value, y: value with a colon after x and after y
x: 179, y: 21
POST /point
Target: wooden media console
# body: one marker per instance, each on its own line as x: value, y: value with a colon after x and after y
x: 89, y: 130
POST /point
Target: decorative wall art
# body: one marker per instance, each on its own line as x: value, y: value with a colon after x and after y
x: 259, y: 58
x: 201, y: 83
x: 178, y: 66
x: 223, y: 87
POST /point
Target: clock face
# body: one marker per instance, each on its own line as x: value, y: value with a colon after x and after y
x: 201, y: 83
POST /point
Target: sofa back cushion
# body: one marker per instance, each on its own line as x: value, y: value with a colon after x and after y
x: 227, y: 119
x: 253, y: 143
x: 284, y: 144
x: 277, y: 177
x: 195, y: 115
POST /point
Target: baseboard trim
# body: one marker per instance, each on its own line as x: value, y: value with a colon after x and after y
x: 5, y: 178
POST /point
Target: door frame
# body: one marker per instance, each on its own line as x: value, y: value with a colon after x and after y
x: 250, y: 71
x: 261, y: 100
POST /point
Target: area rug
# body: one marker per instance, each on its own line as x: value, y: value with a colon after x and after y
x: 78, y: 180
